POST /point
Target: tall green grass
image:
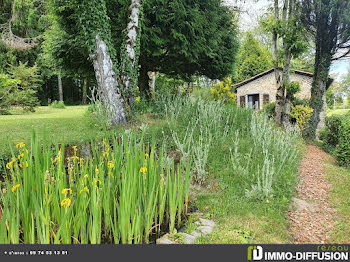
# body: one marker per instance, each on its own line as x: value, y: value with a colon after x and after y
x: 247, y: 142
x: 122, y: 194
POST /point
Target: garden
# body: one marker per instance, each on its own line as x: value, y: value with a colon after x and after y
x: 122, y: 125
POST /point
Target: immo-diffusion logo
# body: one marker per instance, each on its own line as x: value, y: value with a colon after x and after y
x: 257, y: 253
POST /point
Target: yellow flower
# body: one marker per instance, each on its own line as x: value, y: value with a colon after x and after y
x: 96, y: 180
x: 64, y: 191
x: 10, y: 164
x: 75, y: 157
x: 27, y: 164
x: 86, y: 176
x: 20, y: 144
x: 96, y: 171
x: 20, y: 155
x: 146, y: 155
x: 143, y: 170
x: 85, y: 189
x: 138, y: 99
x: 66, y: 202
x: 110, y: 165
x: 13, y: 189
x: 105, y: 154
x: 74, y: 148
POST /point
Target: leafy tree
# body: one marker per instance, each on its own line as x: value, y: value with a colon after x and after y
x: 20, y: 88
x: 329, y: 23
x: 253, y: 58
x: 284, y: 25
x: 185, y: 38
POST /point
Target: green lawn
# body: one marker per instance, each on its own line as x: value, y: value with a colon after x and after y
x: 337, y: 111
x: 72, y: 123
x: 339, y: 178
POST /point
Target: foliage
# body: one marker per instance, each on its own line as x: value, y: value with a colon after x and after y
x: 325, y: 20
x: 302, y: 114
x: 236, y: 135
x: 185, y: 38
x: 123, y: 191
x: 58, y: 104
x: 253, y: 58
x: 165, y: 85
x: 292, y: 87
x: 290, y: 30
x: 331, y: 134
x: 342, y: 151
x: 20, y: 89
x: 269, y: 109
x: 223, y: 91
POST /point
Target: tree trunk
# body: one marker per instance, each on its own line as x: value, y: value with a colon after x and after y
x: 317, y: 101
x: 84, y: 91
x: 129, y: 77
x: 152, y: 83
x: 60, y: 89
x: 279, y: 86
x: 107, y: 83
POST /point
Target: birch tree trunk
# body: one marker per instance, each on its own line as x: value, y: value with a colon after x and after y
x: 60, y: 89
x: 84, y: 91
x: 108, y: 85
x: 129, y: 79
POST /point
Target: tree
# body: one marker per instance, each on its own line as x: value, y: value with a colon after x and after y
x: 329, y: 23
x: 185, y: 38
x: 253, y: 58
x: 285, y: 26
x: 20, y: 88
x: 91, y: 18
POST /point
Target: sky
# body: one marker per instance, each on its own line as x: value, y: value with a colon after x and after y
x: 252, y: 9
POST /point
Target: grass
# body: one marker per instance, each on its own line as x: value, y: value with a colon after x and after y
x: 339, y: 178
x: 331, y: 112
x: 70, y: 123
x: 242, y: 143
x: 245, y: 164
x: 126, y: 192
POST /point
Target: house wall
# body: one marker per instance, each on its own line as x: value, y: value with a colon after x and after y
x: 267, y: 85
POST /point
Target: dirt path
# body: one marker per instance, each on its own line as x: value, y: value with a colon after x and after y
x: 311, y: 215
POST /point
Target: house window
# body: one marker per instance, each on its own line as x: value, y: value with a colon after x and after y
x: 242, y: 101
x: 253, y: 101
x: 266, y: 99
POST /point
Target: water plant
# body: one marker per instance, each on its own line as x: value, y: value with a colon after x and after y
x: 122, y: 194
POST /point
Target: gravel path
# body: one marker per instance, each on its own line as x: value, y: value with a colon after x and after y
x: 311, y: 214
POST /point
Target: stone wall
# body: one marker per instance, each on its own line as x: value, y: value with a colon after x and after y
x: 267, y: 85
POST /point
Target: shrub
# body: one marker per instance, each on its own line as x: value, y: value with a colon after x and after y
x: 302, y: 114
x: 222, y: 92
x: 58, y: 104
x: 269, y: 109
x: 330, y: 135
x: 342, y: 151
x: 23, y: 93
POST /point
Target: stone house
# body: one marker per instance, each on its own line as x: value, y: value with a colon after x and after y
x: 261, y: 89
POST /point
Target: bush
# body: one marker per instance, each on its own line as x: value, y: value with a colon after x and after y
x: 58, y: 104
x: 269, y: 109
x: 222, y: 92
x: 22, y: 92
x: 302, y: 115
x: 330, y: 135
x: 343, y: 148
